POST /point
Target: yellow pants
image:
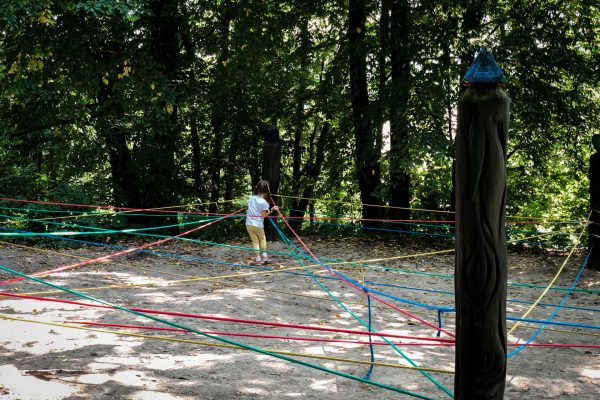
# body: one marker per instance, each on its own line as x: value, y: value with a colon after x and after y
x: 259, y: 241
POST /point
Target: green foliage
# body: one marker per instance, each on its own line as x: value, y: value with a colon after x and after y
x: 79, y: 78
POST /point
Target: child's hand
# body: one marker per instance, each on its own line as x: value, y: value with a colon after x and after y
x: 274, y: 208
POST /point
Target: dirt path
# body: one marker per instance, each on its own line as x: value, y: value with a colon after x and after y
x: 56, y: 362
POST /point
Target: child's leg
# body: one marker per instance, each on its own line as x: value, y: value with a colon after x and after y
x: 263, y: 244
x: 255, y: 237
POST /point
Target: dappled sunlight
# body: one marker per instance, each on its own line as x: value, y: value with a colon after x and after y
x: 135, y: 367
x: 248, y: 293
x: 269, y: 362
x: 324, y: 385
x: 32, y: 306
x: 126, y: 378
x: 156, y: 296
x: 18, y: 336
x: 155, y: 395
x: 21, y: 386
x: 168, y: 361
x: 254, y: 390
x: 208, y: 298
x: 544, y: 386
x: 128, y: 361
x: 591, y: 373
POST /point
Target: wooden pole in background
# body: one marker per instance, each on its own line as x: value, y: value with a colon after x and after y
x: 594, y: 228
x: 271, y: 170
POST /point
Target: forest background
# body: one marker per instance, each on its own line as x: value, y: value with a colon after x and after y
x: 154, y: 103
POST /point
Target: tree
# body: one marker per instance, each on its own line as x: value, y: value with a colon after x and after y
x: 399, y: 110
x: 368, y: 166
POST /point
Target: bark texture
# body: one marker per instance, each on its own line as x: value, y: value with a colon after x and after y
x: 481, y: 258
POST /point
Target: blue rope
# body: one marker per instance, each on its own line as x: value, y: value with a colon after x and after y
x: 447, y: 309
x: 383, y: 229
x: 368, y: 374
x: 563, y: 301
x: 548, y: 322
x: 424, y: 373
x: 452, y: 294
x: 412, y: 232
x: 176, y: 256
x: 354, y: 282
x: 289, y: 243
x: 218, y: 338
x: 97, y: 231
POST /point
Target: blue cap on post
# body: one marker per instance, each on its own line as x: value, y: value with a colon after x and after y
x: 484, y: 71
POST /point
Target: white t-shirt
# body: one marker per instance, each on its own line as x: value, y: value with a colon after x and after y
x: 256, y: 204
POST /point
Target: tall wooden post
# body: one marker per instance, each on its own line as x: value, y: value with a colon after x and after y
x: 594, y: 228
x: 481, y: 256
x: 271, y: 169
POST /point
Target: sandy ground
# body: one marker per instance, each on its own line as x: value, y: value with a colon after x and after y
x: 41, y: 361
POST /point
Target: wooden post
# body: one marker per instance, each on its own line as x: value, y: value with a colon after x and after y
x: 594, y: 228
x: 271, y: 170
x: 481, y: 256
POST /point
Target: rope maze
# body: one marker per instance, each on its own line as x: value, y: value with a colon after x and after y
x: 370, y: 293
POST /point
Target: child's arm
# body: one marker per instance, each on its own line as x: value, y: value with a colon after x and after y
x: 265, y: 213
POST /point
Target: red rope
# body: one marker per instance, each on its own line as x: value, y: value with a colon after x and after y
x: 120, y: 253
x: 360, y: 342
x: 296, y: 338
x: 359, y: 288
x: 226, y: 319
x: 220, y: 214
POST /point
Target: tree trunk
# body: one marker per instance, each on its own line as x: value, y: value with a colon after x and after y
x: 310, y: 177
x: 399, y: 125
x: 299, y: 119
x: 160, y: 179
x: 367, y: 160
x: 382, y: 89
x: 481, y: 258
x: 220, y: 103
x: 230, y: 169
x: 594, y: 228
x: 471, y: 23
x: 196, y: 168
x: 123, y: 173
x: 215, y: 176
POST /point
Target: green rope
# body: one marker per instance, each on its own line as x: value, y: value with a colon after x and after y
x: 250, y: 249
x: 356, y: 317
x: 96, y: 231
x: 84, y: 214
x: 126, y: 231
x: 231, y: 342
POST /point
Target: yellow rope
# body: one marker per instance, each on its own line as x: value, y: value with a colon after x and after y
x: 218, y: 280
x: 535, y: 303
x: 167, y: 283
x: 86, y: 258
x: 361, y: 204
x: 284, y: 269
x: 541, y: 219
x: 287, y: 353
x: 359, y: 262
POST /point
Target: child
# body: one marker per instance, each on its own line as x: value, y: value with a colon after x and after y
x: 258, y: 209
